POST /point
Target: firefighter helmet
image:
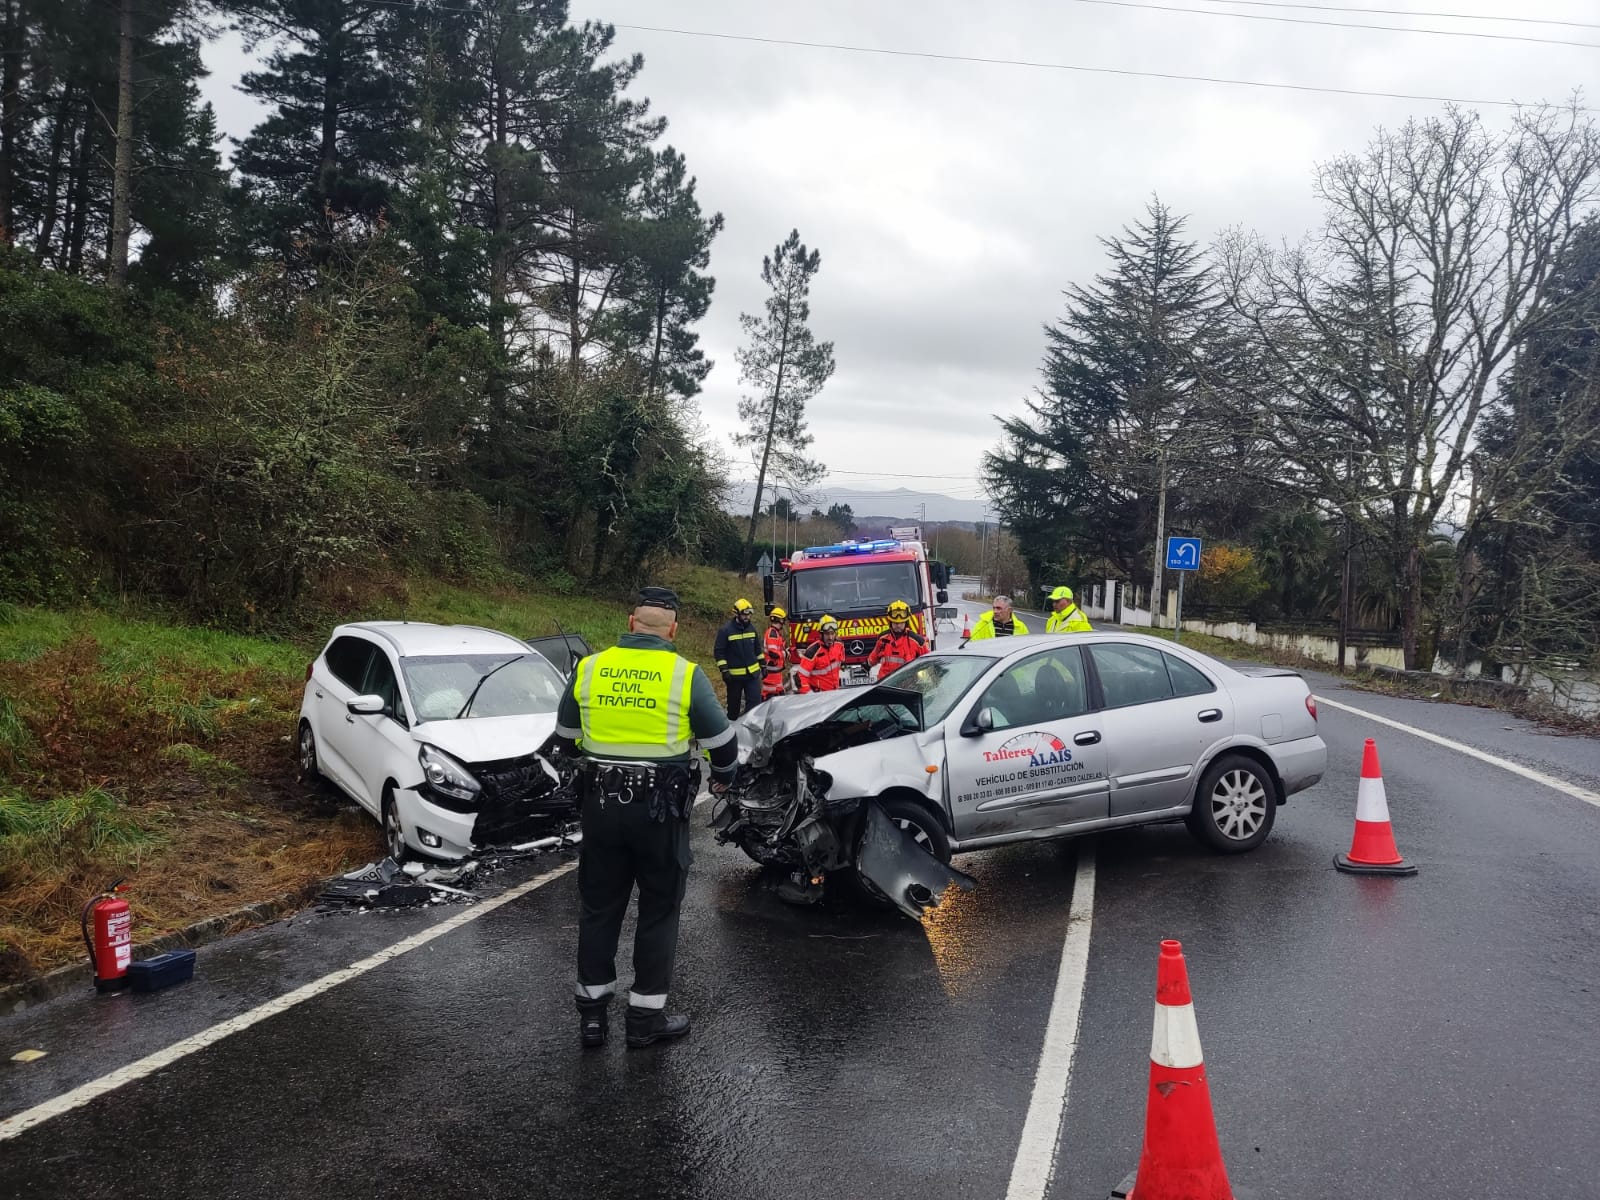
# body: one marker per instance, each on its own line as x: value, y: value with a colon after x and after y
x: 776, y: 613
x: 899, y: 610
x: 743, y: 606
x: 828, y: 624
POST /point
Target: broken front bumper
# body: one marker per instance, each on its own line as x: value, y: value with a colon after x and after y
x: 903, y: 872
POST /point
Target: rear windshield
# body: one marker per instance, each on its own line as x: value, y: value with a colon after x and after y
x: 853, y: 587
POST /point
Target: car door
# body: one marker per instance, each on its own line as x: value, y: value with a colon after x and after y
x: 378, y: 746
x: 1161, y: 714
x: 562, y: 649
x: 1026, y: 753
x: 337, y: 679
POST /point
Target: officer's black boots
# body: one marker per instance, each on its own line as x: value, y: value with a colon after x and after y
x: 649, y: 1025
x: 593, y: 1022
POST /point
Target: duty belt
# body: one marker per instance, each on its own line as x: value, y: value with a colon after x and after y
x: 663, y: 787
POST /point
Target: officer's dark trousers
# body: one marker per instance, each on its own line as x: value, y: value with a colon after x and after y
x: 744, y: 692
x: 622, y: 847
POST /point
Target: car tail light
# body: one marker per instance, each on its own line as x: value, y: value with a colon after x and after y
x: 1311, y: 705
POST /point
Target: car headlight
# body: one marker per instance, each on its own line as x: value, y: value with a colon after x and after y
x: 446, y: 775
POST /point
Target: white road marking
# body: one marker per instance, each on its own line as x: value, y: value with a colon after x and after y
x: 20, y: 1122
x: 1034, y: 1166
x: 1560, y: 785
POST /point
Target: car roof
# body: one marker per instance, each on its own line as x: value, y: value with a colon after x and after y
x: 425, y: 638
x: 990, y: 648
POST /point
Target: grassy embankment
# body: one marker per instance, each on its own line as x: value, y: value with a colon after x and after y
x: 133, y: 745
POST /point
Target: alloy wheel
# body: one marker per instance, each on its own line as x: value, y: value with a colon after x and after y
x: 1238, y: 804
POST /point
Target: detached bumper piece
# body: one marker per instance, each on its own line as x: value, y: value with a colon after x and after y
x: 911, y: 878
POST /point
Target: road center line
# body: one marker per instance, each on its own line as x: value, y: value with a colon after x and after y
x: 20, y: 1122
x: 1560, y: 785
x: 1034, y: 1166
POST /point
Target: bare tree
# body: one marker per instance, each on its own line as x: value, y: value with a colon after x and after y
x: 1386, y: 333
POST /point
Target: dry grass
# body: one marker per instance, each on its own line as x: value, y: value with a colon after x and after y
x: 164, y: 752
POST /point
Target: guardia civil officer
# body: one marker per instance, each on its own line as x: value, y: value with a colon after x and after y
x: 631, y: 712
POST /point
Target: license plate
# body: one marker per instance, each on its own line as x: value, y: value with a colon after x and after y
x: 858, y: 675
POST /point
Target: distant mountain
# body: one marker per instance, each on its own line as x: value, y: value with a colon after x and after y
x: 870, y: 506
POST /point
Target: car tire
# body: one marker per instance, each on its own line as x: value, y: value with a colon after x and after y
x: 1234, y: 806
x: 923, y: 826
x: 308, y: 767
x: 394, y: 834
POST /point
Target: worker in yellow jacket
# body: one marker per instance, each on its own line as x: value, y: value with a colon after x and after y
x: 1065, y: 615
x: 999, y: 621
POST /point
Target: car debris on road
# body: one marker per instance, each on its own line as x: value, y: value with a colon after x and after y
x: 388, y: 883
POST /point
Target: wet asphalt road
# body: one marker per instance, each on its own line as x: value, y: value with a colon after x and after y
x: 1427, y: 1037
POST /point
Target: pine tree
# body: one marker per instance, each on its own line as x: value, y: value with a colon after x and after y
x: 787, y: 366
x: 337, y: 135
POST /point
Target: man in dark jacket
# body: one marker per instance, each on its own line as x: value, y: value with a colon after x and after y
x: 738, y: 655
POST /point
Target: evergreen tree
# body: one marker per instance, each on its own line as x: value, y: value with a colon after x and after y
x: 1118, y: 428
x: 337, y: 134
x: 787, y: 366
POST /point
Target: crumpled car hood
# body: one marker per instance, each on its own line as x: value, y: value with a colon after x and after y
x: 488, y: 739
x: 764, y: 726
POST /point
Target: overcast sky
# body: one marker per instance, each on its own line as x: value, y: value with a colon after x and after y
x: 952, y: 201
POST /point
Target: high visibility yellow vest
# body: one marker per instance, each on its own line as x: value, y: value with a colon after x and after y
x: 1068, y: 620
x: 635, y: 703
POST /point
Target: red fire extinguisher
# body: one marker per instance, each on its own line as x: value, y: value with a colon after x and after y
x: 111, y: 945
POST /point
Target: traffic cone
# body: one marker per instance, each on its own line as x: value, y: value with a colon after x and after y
x: 1181, y: 1159
x: 966, y: 627
x: 1372, y: 849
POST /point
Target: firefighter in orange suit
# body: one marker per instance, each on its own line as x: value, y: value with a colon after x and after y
x: 774, y: 654
x: 900, y: 645
x: 822, y: 662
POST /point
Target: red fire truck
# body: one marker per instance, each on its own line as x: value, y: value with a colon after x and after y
x: 854, y: 582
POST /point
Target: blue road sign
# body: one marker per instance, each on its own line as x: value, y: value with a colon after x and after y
x: 1183, y: 554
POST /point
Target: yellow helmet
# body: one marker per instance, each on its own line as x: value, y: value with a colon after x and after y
x: 827, y: 624
x: 776, y: 613
x: 899, y: 610
x: 740, y: 606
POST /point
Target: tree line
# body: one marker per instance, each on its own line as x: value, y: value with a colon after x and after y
x: 1397, y: 418
x: 438, y: 312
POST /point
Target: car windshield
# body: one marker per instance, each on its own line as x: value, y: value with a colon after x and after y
x: 853, y: 587
x: 942, y: 679
x: 439, y: 685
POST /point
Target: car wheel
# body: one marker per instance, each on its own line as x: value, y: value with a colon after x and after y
x: 1234, y: 806
x: 924, y: 829
x: 394, y: 836
x: 308, y: 772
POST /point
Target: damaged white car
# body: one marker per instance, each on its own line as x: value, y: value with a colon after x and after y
x: 1014, y: 740
x: 436, y: 730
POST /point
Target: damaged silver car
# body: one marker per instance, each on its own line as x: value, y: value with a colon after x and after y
x: 1014, y: 740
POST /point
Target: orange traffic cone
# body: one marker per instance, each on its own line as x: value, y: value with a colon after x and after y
x: 1181, y: 1159
x: 1372, y: 849
x: 966, y: 627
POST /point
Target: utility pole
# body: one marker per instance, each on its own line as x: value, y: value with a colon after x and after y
x: 1344, y: 574
x: 1157, y: 599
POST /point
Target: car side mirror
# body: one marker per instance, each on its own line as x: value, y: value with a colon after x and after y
x: 367, y: 706
x: 980, y: 722
x: 942, y: 596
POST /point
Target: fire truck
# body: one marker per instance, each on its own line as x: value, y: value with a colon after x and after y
x: 854, y: 582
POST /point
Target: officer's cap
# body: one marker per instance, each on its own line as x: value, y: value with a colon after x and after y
x: 1061, y: 593
x: 658, y: 597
